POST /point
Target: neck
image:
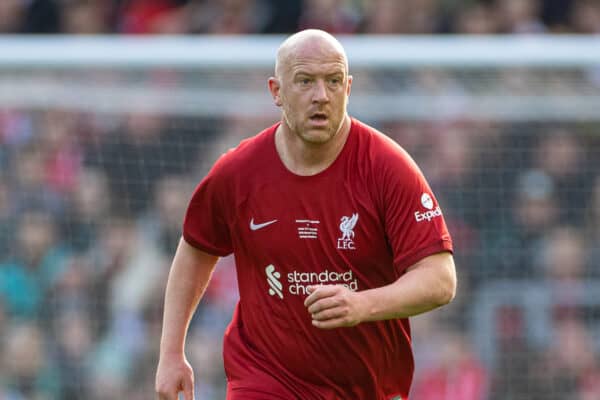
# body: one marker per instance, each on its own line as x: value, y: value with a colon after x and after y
x: 305, y: 158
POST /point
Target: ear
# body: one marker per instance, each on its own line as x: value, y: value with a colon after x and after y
x: 274, y: 88
x: 349, y: 88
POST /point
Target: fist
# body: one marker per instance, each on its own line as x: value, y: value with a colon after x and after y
x: 334, y: 306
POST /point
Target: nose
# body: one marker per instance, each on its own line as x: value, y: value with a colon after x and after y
x: 320, y: 92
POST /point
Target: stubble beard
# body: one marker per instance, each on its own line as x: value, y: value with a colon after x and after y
x: 305, y: 133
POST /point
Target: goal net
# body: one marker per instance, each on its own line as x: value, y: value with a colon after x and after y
x: 102, y: 141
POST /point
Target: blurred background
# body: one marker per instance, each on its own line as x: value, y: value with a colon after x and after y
x: 112, y: 111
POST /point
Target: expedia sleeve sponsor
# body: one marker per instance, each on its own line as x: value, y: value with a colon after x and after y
x: 428, y: 215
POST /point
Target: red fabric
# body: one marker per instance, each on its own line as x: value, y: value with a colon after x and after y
x: 140, y: 15
x: 372, y: 180
x: 63, y: 168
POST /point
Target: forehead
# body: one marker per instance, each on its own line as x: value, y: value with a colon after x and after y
x: 315, y: 57
x: 316, y: 67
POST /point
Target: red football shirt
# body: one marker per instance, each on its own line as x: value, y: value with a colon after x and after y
x: 360, y: 223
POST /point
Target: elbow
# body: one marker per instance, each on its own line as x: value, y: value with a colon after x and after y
x: 437, y: 274
x: 444, y: 297
x: 447, y: 291
x: 448, y: 295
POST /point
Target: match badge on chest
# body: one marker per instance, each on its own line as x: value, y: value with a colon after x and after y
x: 308, y: 228
x: 347, y: 224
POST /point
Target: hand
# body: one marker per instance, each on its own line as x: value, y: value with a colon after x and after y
x: 173, y: 375
x: 334, y: 306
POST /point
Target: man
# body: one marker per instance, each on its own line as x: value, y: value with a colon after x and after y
x: 337, y: 238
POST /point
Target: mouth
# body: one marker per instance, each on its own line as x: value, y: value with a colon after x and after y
x: 319, y: 118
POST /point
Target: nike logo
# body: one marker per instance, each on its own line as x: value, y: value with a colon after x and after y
x: 256, y: 227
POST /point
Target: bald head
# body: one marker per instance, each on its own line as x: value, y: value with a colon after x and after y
x: 311, y: 43
x: 311, y: 86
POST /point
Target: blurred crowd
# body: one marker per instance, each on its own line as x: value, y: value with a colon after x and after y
x: 274, y: 16
x: 90, y: 214
x: 91, y: 205
x: 91, y: 208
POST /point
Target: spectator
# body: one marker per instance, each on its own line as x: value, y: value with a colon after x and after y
x: 456, y: 374
x: 43, y: 17
x: 585, y: 17
x: 205, y: 348
x: 515, y: 363
x: 556, y: 13
x: 30, y: 372
x: 62, y: 155
x: 122, y: 270
x: 476, y: 18
x: 121, y: 265
x: 73, y: 333
x: 563, y: 256
x: 382, y: 17
x: 86, y: 17
x: 70, y: 302
x: 162, y: 225
x: 565, y: 369
x: 16, y: 130
x: 29, y: 182
x: 283, y: 16
x: 333, y: 16
x: 133, y: 159
x: 268, y: 16
x: 88, y: 207
x: 11, y: 16
x: 37, y: 266
x: 514, y: 245
x: 7, y: 219
x: 422, y: 16
x: 228, y: 17
x: 592, y: 226
x: 151, y: 17
x: 519, y: 16
x: 407, y: 17
x: 560, y: 155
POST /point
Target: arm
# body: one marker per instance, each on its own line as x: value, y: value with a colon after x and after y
x: 190, y: 273
x: 428, y: 284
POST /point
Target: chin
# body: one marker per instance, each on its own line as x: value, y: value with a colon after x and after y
x: 317, y: 136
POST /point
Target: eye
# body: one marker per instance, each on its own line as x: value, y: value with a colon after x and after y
x: 336, y: 81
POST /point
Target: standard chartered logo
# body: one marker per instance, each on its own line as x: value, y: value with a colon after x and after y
x: 275, y: 286
x: 298, y: 281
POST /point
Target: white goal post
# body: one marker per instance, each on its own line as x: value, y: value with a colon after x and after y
x: 227, y: 74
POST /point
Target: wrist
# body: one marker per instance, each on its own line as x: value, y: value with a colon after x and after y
x: 366, y: 306
x: 171, y: 351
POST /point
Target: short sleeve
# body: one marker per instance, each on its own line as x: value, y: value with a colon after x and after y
x: 205, y: 225
x: 414, y: 221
